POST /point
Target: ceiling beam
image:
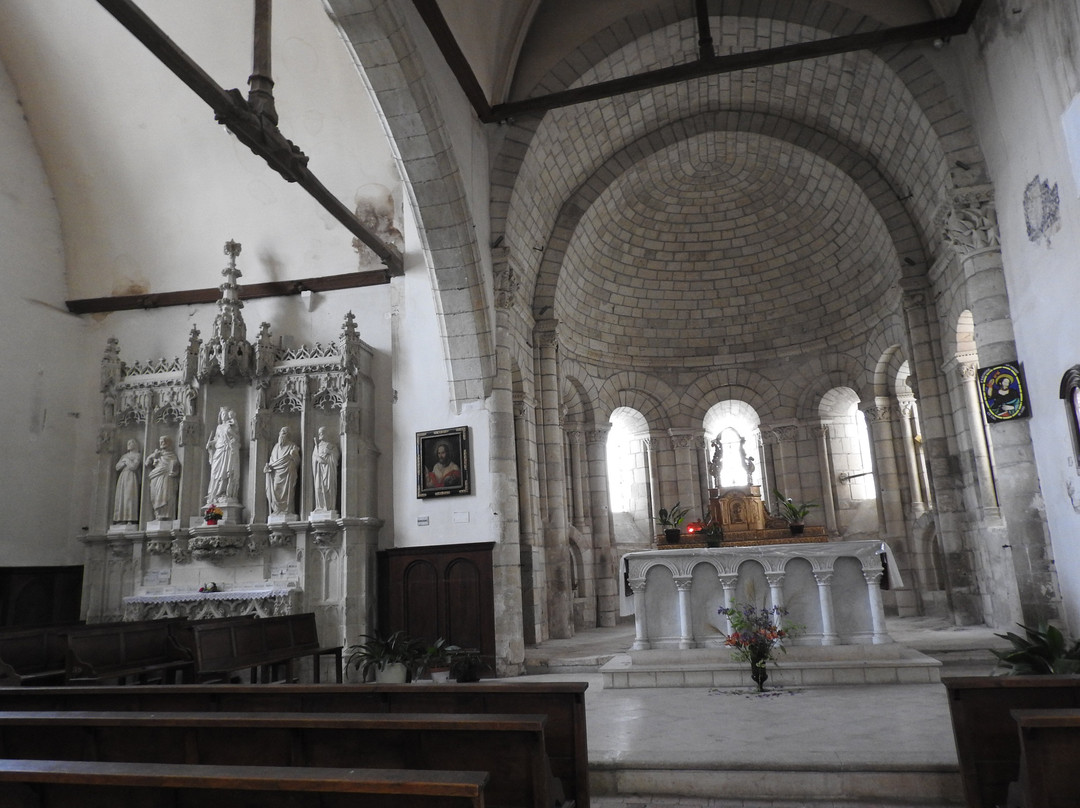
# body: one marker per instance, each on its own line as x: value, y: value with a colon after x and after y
x: 157, y: 300
x: 942, y: 29
x: 256, y: 131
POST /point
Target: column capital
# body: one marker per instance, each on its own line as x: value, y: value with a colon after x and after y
x: 969, y: 224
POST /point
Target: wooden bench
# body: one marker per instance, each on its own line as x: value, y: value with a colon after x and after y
x: 987, y: 740
x: 259, y: 647
x: 509, y: 747
x: 562, y: 702
x: 33, y: 656
x: 140, y: 652
x: 1050, y: 757
x: 97, y: 784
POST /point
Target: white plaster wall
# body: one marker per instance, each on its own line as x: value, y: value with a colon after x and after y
x: 39, y: 359
x: 1017, y: 90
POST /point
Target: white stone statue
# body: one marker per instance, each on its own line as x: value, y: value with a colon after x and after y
x: 281, y: 472
x: 164, y: 477
x: 324, y: 466
x: 126, y: 500
x: 224, y: 450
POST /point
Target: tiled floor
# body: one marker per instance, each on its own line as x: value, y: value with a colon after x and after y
x: 720, y: 748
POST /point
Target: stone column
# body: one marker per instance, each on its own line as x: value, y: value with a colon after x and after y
x: 785, y: 461
x: 506, y: 555
x: 607, y: 578
x: 828, y: 619
x: 686, y: 633
x: 531, y: 559
x: 553, y: 484
x: 984, y: 473
x: 575, y: 439
x: 824, y: 462
x: 907, y: 412
x: 776, y: 588
x: 879, y: 418
x: 641, y: 630
x: 877, y: 609
x: 729, y: 581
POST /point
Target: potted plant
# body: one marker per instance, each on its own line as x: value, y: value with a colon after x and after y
x: 389, y: 658
x: 434, y: 661
x: 793, y: 513
x: 712, y: 531
x: 212, y: 514
x: 670, y: 519
x: 465, y: 664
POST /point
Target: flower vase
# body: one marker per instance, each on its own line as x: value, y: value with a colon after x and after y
x: 759, y: 658
x: 211, y: 521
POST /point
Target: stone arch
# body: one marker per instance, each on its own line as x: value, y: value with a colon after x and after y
x: 648, y: 395
x: 434, y: 182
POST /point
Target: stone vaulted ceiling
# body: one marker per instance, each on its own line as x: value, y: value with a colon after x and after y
x: 746, y: 217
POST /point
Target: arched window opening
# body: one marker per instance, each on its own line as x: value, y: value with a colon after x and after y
x: 851, y: 456
x: 627, y: 462
x: 733, y: 431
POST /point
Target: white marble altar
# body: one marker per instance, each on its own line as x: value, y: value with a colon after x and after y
x: 831, y: 589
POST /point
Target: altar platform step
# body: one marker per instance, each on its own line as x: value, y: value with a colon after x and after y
x: 801, y: 666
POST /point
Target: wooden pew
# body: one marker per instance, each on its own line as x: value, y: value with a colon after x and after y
x: 139, y: 651
x: 987, y: 741
x: 509, y: 747
x: 97, y: 784
x: 33, y: 656
x: 1050, y: 757
x: 562, y: 702
x: 260, y: 646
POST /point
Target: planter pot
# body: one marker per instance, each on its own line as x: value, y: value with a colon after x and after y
x: 672, y: 535
x: 392, y: 673
x: 211, y: 521
x: 440, y: 674
x: 796, y: 530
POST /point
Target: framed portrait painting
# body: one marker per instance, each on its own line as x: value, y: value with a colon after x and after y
x: 442, y: 463
x: 1003, y: 392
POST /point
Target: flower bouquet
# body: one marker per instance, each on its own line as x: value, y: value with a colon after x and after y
x: 212, y: 514
x: 755, y: 633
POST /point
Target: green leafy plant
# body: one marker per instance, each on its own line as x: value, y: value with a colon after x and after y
x: 1043, y: 651
x: 377, y: 651
x: 673, y: 517
x: 794, y: 514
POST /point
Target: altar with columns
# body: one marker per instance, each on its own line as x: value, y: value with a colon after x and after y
x: 831, y: 591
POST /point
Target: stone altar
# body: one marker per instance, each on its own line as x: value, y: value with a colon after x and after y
x: 831, y: 589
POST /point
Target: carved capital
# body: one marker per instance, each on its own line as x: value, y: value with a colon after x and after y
x: 879, y: 414
x: 970, y: 224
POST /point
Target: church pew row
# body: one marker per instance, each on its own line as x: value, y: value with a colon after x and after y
x: 225, y: 646
x: 1050, y: 757
x: 138, y: 652
x: 987, y: 740
x: 98, y: 784
x: 562, y: 702
x: 509, y: 747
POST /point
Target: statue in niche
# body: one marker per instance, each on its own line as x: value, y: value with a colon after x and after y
x: 281, y: 471
x: 324, y: 467
x: 126, y: 500
x: 224, y: 450
x: 164, y: 477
